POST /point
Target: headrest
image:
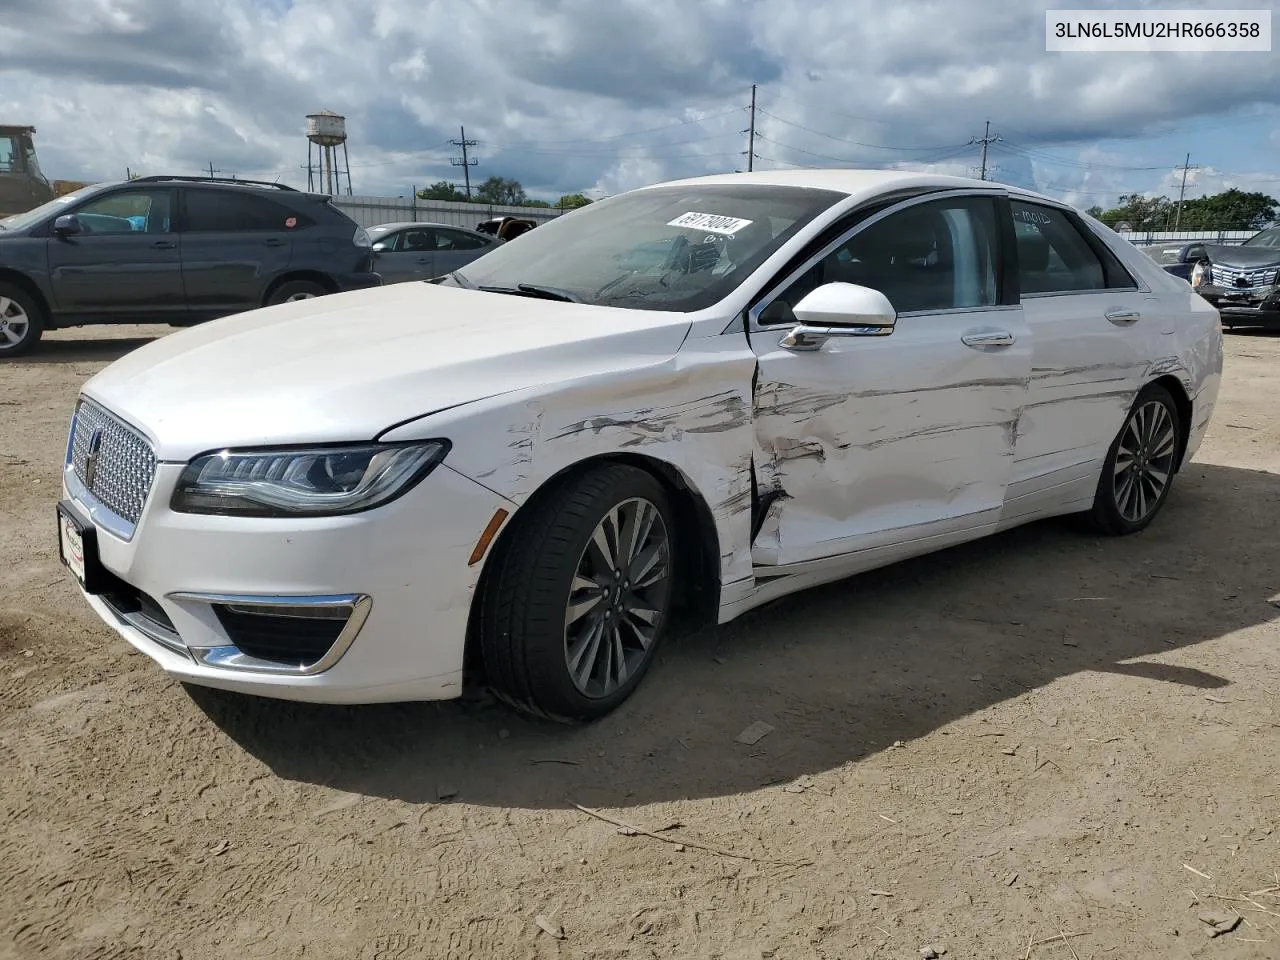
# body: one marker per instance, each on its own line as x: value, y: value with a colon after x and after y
x: 1033, y: 251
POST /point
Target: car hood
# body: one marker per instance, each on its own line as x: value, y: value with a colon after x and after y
x: 347, y: 366
x: 1237, y: 256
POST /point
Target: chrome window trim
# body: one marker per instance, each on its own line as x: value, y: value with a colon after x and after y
x: 779, y: 287
x: 230, y: 657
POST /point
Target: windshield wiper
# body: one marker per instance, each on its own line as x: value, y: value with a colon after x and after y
x: 537, y: 290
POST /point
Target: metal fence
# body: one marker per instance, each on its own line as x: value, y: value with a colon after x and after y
x: 370, y: 211
x: 1145, y: 237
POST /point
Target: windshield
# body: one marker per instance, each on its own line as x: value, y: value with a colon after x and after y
x: 679, y: 247
x: 1164, y: 252
x: 57, y: 204
x: 1267, y: 238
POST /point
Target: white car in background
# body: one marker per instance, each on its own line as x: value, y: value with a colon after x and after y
x: 697, y: 396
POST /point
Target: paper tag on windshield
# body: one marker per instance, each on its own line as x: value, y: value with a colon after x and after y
x: 710, y: 222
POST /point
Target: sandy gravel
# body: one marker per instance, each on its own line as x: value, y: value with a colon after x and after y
x: 1043, y: 734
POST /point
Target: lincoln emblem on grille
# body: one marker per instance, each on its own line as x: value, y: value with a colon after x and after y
x: 91, y: 457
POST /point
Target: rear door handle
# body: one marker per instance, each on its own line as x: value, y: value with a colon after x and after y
x: 275, y: 242
x: 164, y: 244
x: 1123, y: 318
x: 988, y: 338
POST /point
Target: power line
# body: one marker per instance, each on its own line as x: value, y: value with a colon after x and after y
x: 985, y: 139
x: 462, y: 161
x: 856, y: 143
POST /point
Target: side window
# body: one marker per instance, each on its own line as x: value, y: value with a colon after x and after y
x: 457, y: 240
x: 127, y: 211
x: 1055, y: 257
x: 417, y: 240
x: 939, y: 255
x: 8, y: 155
x: 229, y: 211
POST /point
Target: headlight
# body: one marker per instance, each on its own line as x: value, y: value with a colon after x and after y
x: 312, y: 482
x: 1198, y: 274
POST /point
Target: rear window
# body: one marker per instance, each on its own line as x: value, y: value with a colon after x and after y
x: 229, y: 211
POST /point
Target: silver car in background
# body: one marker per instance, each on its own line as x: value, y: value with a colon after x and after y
x: 420, y: 251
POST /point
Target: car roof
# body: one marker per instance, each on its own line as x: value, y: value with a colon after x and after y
x: 860, y: 183
x: 401, y: 224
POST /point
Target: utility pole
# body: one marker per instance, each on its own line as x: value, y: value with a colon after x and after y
x: 751, y: 132
x: 985, y: 139
x: 1182, y: 192
x: 462, y: 161
x: 212, y: 171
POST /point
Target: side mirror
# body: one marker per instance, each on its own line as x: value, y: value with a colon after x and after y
x: 839, y: 310
x: 379, y: 247
x: 67, y: 225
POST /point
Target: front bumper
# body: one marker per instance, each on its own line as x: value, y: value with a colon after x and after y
x: 1256, y: 304
x: 396, y: 582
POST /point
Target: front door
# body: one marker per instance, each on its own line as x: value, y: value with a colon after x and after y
x: 406, y: 255
x: 125, y: 262
x: 876, y: 441
x: 1093, y: 334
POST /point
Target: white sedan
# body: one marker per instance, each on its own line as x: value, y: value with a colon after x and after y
x: 678, y: 403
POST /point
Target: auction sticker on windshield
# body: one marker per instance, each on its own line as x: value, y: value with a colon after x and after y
x: 710, y: 222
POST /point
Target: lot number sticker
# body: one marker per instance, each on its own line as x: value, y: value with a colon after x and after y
x: 710, y: 222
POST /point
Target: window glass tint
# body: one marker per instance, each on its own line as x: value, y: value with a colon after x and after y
x: 129, y: 211
x: 934, y: 256
x: 1053, y: 256
x: 457, y: 240
x: 681, y: 247
x: 8, y: 155
x: 228, y: 211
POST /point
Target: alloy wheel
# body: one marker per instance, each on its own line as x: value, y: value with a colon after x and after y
x: 1144, y: 461
x: 617, y: 598
x: 14, y: 323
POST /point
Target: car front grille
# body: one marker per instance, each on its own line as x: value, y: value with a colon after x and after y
x: 114, y: 462
x: 1232, y: 276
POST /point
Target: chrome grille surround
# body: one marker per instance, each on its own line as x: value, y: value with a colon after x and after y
x: 124, y: 467
x: 1226, y: 276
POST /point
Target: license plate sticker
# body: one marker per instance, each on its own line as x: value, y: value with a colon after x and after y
x: 72, y: 545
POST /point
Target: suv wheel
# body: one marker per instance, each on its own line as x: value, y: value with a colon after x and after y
x: 21, y: 320
x: 295, y: 290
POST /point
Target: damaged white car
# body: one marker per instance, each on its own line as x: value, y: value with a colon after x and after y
x: 682, y: 401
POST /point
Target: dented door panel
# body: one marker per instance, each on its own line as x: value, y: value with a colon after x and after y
x: 879, y: 440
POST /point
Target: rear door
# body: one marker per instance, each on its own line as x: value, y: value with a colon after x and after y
x: 1094, y: 333
x: 234, y: 243
x: 125, y: 263
x: 456, y: 248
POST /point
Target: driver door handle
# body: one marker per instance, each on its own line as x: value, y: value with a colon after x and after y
x: 988, y: 338
x: 164, y: 244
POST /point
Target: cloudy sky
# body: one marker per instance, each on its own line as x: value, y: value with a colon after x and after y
x: 605, y: 95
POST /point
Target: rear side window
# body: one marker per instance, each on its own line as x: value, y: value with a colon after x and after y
x: 458, y: 240
x: 227, y: 211
x: 1054, y: 256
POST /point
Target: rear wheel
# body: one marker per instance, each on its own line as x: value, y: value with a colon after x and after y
x: 293, y: 290
x: 1139, y: 469
x: 581, y: 594
x: 21, y: 320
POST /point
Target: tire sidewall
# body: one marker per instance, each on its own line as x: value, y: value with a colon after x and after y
x: 282, y: 293
x: 1105, y: 505
x: 35, y: 320
x: 549, y: 645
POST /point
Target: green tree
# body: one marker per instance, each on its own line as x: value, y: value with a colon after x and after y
x: 536, y: 203
x: 1230, y: 210
x: 572, y: 201
x: 501, y: 190
x: 1141, y: 213
x: 442, y: 190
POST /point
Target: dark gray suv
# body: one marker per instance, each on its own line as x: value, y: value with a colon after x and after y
x: 171, y: 250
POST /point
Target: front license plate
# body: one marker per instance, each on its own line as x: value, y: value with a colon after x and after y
x: 78, y: 549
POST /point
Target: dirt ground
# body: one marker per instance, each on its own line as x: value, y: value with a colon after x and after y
x: 1043, y: 735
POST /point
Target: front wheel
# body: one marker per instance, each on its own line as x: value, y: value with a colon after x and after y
x: 21, y: 320
x: 293, y: 290
x: 1138, y: 472
x: 580, y: 595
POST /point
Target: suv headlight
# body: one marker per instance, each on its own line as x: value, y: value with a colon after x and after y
x: 310, y: 481
x: 1199, y: 273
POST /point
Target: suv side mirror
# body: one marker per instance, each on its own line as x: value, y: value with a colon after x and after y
x: 839, y: 310
x: 67, y: 225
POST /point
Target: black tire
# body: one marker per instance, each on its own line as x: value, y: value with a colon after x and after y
x: 526, y: 638
x: 1127, y: 500
x: 296, y: 290
x: 19, y: 306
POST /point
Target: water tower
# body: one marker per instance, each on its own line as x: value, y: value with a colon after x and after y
x: 327, y: 131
